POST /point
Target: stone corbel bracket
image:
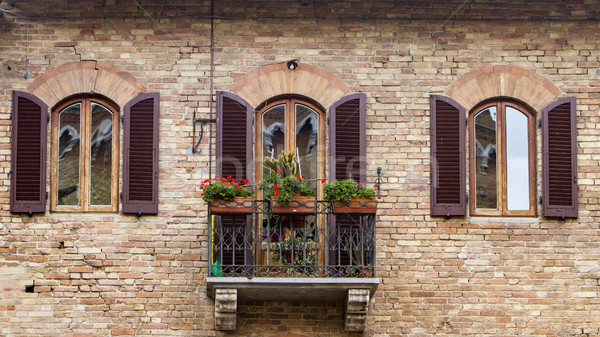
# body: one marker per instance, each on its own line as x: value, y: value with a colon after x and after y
x: 357, y: 308
x: 225, y: 309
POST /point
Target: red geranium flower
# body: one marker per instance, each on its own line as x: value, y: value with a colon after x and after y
x: 299, y: 178
x: 276, y: 192
x: 323, y: 181
x: 279, y: 171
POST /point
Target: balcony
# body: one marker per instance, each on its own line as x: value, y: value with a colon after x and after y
x: 310, y: 250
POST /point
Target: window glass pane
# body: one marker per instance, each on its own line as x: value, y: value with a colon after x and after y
x: 273, y: 130
x: 100, y: 155
x: 517, y: 160
x: 485, y: 151
x: 307, y: 136
x: 69, y: 121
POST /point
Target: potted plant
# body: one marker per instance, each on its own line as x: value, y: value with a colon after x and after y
x: 287, y: 190
x: 359, y: 267
x: 298, y: 253
x: 348, y: 196
x: 226, y: 195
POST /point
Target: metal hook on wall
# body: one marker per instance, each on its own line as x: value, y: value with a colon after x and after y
x: 202, y: 121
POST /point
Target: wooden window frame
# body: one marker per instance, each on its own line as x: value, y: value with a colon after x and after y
x: 85, y: 167
x: 290, y: 137
x: 502, y: 210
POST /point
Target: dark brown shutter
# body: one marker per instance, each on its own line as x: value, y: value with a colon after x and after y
x: 234, y: 137
x: 28, y: 152
x: 347, y: 154
x: 235, y: 142
x: 347, y: 138
x: 448, y: 159
x: 140, y: 160
x: 559, y: 148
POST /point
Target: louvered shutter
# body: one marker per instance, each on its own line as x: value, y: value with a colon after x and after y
x: 28, y: 152
x: 347, y: 154
x: 448, y: 159
x: 234, y: 158
x: 234, y: 137
x: 559, y: 148
x: 347, y: 138
x: 140, y: 159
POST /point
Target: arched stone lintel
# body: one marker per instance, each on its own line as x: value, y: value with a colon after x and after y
x: 503, y: 81
x: 96, y: 77
x: 276, y: 79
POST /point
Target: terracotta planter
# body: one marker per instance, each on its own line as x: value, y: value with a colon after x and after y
x: 241, y: 205
x: 298, y: 205
x: 356, y: 206
x: 366, y: 273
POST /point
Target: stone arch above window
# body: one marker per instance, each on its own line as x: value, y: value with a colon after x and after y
x: 276, y: 79
x: 86, y: 77
x: 503, y: 81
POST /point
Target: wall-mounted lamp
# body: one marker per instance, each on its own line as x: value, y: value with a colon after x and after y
x: 292, y: 64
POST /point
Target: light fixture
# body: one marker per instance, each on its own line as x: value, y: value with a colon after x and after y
x: 292, y: 64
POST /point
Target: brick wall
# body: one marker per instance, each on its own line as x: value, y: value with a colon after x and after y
x: 113, y: 275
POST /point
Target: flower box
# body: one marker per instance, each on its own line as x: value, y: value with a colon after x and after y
x: 240, y: 205
x: 298, y: 205
x: 356, y: 206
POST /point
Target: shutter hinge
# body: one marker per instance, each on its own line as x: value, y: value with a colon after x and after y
x: 466, y: 122
x: 47, y: 119
x: 121, y: 196
x: 540, y: 124
x: 540, y: 200
x: 467, y: 199
x: 47, y: 195
x: 327, y: 120
x: 121, y: 118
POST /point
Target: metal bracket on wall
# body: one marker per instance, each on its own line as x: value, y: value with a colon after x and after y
x: 202, y: 121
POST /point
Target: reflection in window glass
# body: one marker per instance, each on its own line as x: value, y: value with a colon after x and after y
x: 485, y: 151
x: 68, y: 155
x: 100, y: 155
x: 517, y: 161
x: 273, y: 130
x: 307, y: 135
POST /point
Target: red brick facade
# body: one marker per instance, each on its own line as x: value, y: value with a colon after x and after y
x: 105, y: 274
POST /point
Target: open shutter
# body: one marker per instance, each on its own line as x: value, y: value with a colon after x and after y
x: 28, y: 152
x: 235, y: 142
x: 559, y: 148
x: 347, y: 138
x: 347, y: 154
x: 140, y: 159
x: 448, y: 159
x: 234, y: 137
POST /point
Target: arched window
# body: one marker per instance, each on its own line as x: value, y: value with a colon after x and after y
x: 502, y: 159
x: 292, y: 124
x: 85, y: 155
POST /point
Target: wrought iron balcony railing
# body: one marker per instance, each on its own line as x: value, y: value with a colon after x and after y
x: 308, y: 238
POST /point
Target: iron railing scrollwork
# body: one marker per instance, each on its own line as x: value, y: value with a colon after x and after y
x: 264, y: 242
